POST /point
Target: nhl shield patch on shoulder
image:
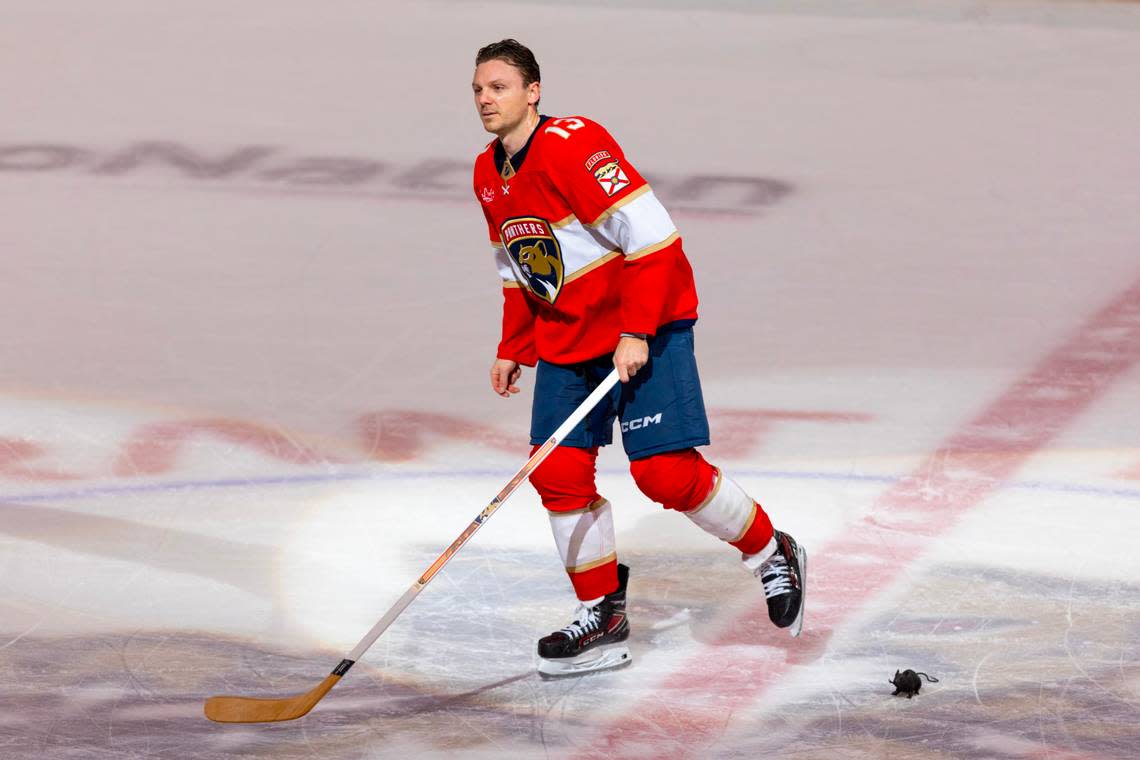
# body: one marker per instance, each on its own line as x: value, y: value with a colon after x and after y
x: 611, y: 177
x: 535, y: 255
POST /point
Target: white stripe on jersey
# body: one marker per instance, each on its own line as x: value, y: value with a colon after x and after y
x: 637, y: 226
x: 503, y: 264
x: 581, y: 246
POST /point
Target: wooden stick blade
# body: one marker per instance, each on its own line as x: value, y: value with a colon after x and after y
x: 255, y: 710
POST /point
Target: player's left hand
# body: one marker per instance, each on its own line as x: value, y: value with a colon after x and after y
x: 630, y: 355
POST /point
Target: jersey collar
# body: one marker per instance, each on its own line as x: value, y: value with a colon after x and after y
x: 509, y: 166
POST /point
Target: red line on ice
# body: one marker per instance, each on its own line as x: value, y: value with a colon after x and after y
x: 694, y: 706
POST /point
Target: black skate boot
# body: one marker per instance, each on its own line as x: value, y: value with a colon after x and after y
x: 784, y: 575
x: 593, y: 641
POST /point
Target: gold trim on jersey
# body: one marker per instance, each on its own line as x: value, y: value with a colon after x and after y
x: 655, y: 247
x: 511, y: 284
x: 614, y: 208
x: 611, y: 557
x: 604, y: 259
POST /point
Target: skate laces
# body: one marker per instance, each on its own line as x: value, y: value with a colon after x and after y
x: 587, y: 620
x: 776, y: 575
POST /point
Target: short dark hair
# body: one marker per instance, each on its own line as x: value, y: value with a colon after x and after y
x: 516, y: 54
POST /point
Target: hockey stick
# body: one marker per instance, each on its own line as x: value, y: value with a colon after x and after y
x: 226, y: 709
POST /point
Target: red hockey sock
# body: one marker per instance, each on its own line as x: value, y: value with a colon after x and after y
x: 757, y: 535
x: 595, y: 582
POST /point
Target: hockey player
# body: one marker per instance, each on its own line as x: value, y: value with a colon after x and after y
x: 594, y: 277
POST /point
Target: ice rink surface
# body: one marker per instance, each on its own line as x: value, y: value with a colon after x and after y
x: 248, y: 311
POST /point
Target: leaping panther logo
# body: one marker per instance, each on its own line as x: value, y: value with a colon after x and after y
x: 537, y: 263
x: 535, y: 256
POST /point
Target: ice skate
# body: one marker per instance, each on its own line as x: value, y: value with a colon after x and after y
x: 784, y: 574
x: 593, y: 641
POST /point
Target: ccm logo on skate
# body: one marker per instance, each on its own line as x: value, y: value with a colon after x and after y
x: 641, y: 423
x: 586, y: 641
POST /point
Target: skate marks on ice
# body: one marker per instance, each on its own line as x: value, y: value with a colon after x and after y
x: 455, y: 674
x: 1037, y: 665
x: 141, y: 695
x: 872, y: 555
x: 1034, y: 666
x: 1030, y: 665
x: 1034, y: 663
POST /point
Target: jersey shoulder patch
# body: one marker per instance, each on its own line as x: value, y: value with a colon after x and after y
x: 587, y: 163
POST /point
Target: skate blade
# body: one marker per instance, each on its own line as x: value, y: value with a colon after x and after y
x: 798, y: 624
x: 588, y: 662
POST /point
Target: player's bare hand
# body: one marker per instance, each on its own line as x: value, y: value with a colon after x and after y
x: 631, y: 355
x: 504, y: 374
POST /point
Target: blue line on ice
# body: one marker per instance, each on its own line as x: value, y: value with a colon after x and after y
x: 381, y: 475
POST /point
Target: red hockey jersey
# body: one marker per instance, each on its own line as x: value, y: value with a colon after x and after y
x: 584, y: 248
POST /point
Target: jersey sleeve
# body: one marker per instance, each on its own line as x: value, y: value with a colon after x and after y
x: 517, y: 341
x: 607, y: 194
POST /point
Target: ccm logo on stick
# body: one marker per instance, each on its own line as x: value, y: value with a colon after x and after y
x: 638, y: 424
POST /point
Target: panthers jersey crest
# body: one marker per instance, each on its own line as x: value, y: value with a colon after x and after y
x: 535, y: 256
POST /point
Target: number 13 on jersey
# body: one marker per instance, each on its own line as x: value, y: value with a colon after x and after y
x: 563, y: 127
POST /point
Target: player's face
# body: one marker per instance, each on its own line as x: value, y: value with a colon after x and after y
x: 500, y: 97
